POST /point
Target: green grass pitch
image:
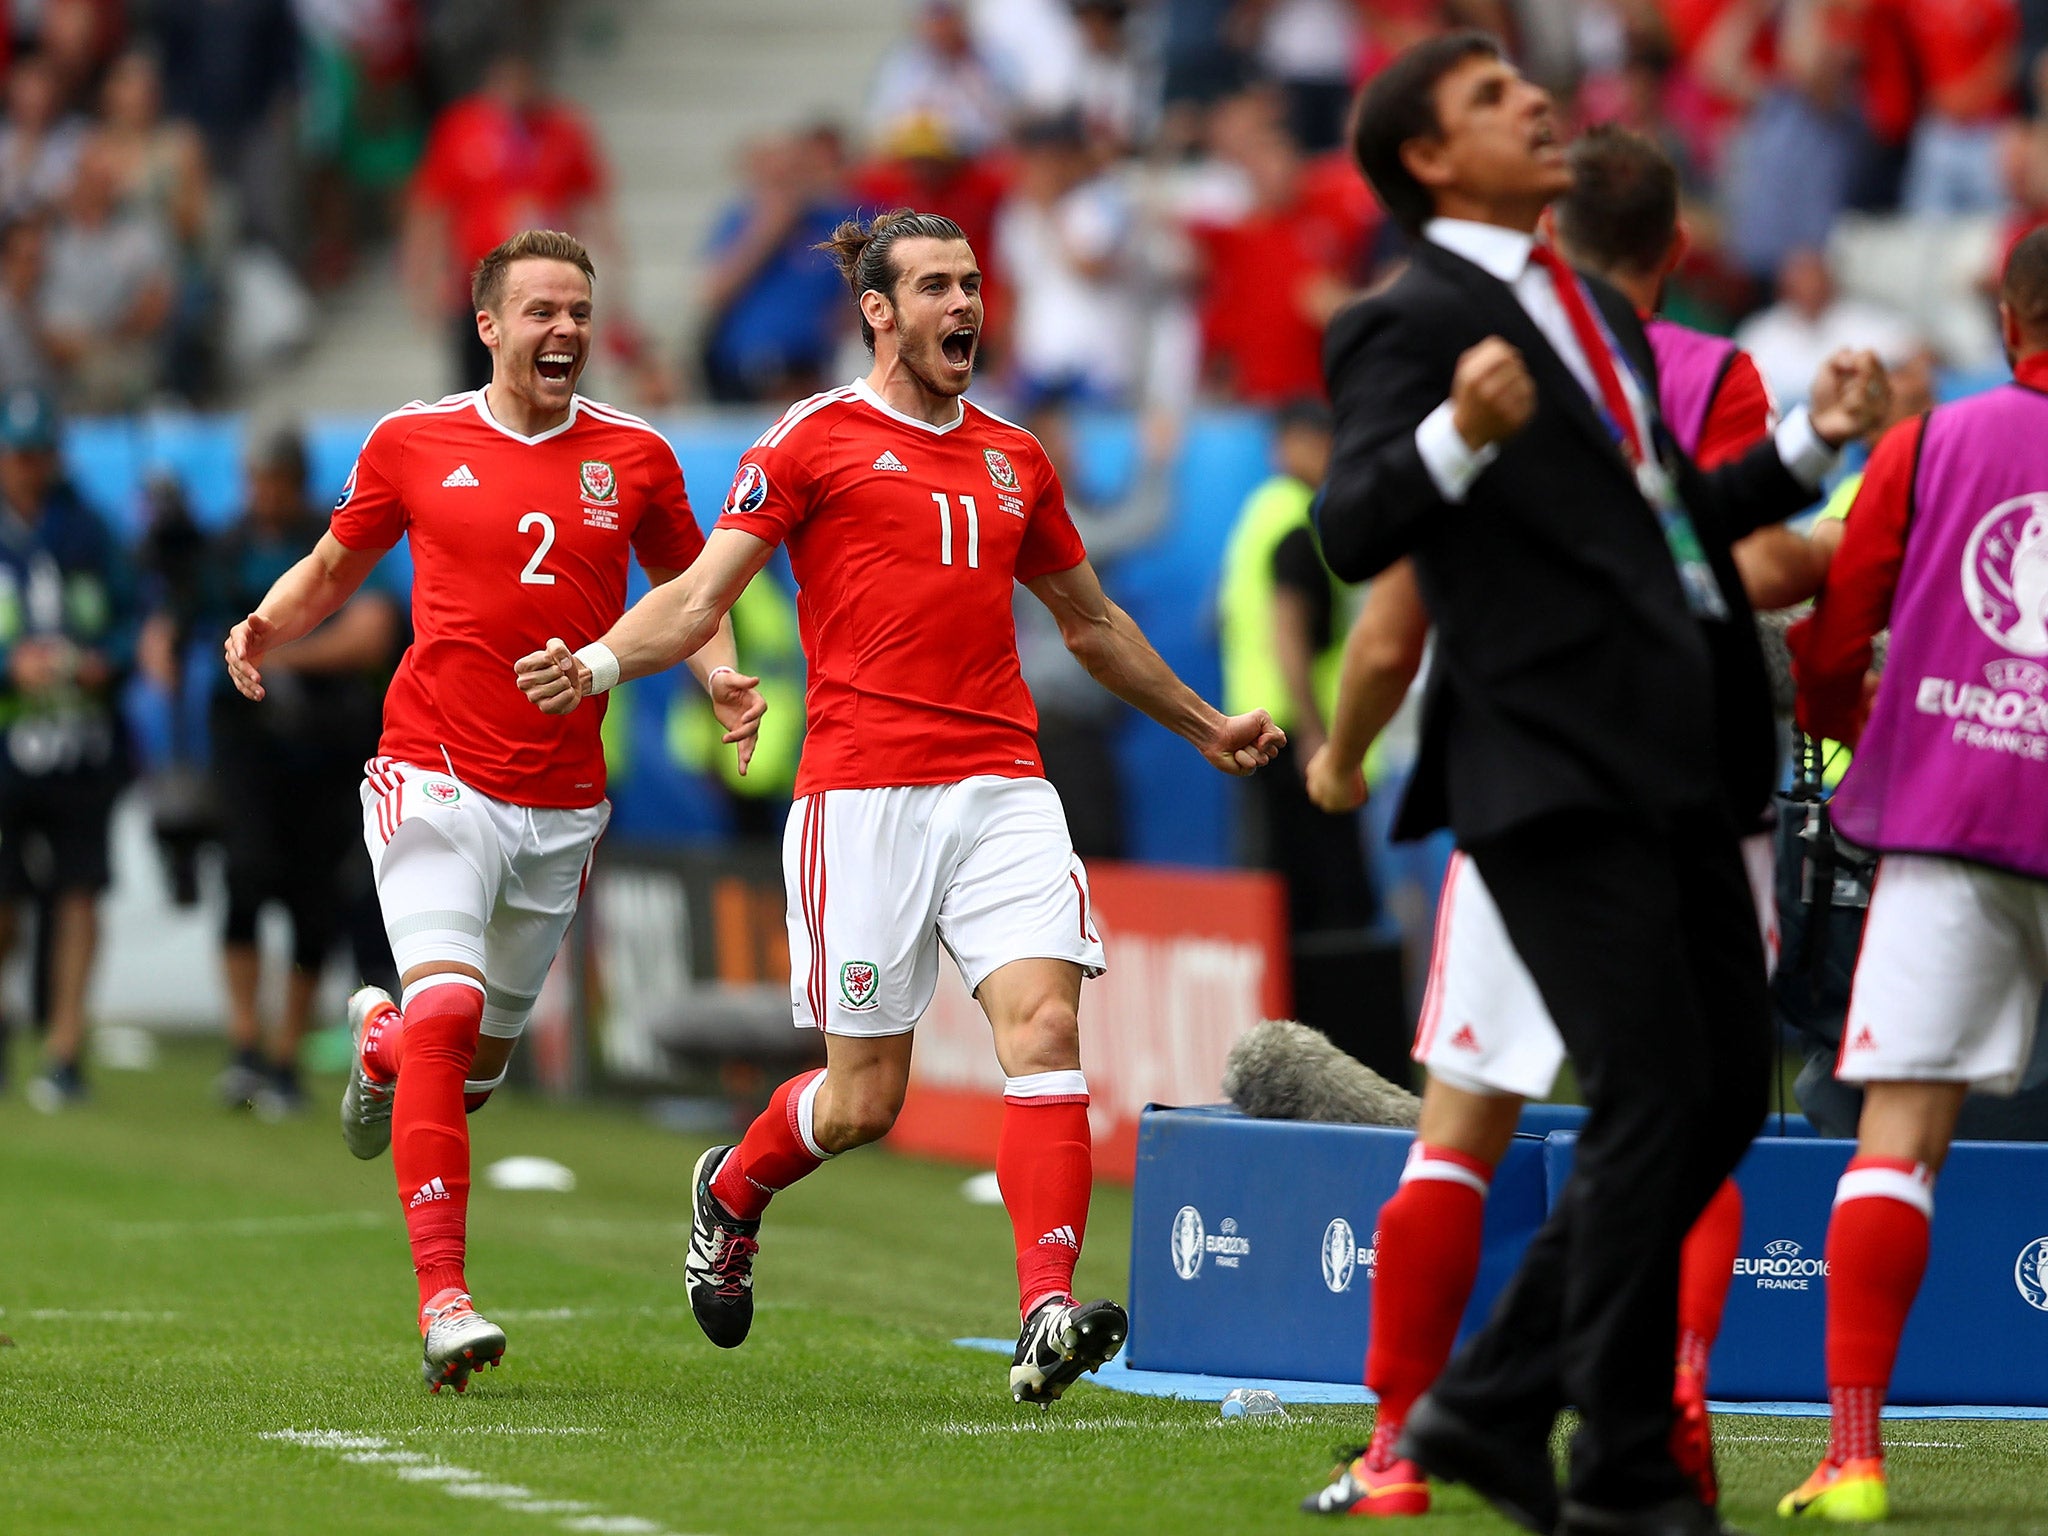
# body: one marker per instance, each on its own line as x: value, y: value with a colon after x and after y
x: 211, y: 1332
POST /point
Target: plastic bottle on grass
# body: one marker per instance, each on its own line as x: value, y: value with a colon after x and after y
x: 1253, y: 1403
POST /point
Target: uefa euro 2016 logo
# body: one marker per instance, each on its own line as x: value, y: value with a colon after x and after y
x: 2030, y: 1274
x: 1188, y: 1242
x: 1340, y: 1255
x: 2005, y: 574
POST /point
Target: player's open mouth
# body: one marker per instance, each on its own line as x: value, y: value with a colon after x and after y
x: 555, y: 366
x: 959, y: 346
x: 1544, y: 141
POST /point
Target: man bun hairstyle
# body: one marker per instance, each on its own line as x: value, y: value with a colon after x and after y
x: 2025, y: 288
x: 1622, y: 211
x: 862, y: 252
x: 1399, y: 104
x: 487, y: 282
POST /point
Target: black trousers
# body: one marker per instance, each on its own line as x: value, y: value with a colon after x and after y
x: 1321, y: 856
x: 1642, y: 937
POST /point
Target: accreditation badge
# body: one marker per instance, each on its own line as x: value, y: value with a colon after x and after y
x: 1695, y: 574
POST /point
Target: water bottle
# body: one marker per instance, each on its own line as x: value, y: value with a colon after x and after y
x: 1253, y: 1403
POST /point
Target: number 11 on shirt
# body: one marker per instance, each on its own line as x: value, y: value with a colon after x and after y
x: 946, y: 530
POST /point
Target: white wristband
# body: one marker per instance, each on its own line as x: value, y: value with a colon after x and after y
x: 604, y: 666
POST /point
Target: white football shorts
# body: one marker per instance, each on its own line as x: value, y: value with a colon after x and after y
x: 1484, y: 1027
x: 464, y: 877
x: 1950, y: 976
x: 878, y: 879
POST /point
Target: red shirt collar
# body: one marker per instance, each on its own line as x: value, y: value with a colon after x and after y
x: 2032, y: 372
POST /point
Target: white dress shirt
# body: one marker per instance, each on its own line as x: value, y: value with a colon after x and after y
x: 1504, y: 253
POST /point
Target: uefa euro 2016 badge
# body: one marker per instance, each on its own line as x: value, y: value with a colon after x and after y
x: 859, y: 985
x: 999, y: 470
x: 2030, y: 1274
x: 1340, y: 1255
x: 600, y: 482
x: 749, y: 489
x: 1188, y: 1243
x: 2005, y: 574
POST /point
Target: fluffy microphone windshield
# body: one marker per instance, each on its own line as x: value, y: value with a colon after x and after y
x: 1281, y: 1070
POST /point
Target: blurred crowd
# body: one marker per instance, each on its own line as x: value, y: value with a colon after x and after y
x: 180, y: 180
x: 1161, y: 194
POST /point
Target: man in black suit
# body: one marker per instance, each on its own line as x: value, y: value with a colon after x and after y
x: 1597, y: 733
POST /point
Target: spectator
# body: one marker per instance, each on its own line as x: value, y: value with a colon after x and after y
x: 1308, y: 46
x: 25, y: 361
x: 1792, y: 161
x: 68, y: 640
x: 939, y: 73
x: 509, y: 158
x: 1078, y: 720
x: 1109, y: 90
x: 39, y: 143
x: 109, y: 292
x: 79, y: 38
x: 924, y: 167
x: 774, y: 305
x: 288, y: 768
x: 1271, y: 280
x: 231, y: 68
x: 1064, y: 245
x: 1282, y: 631
x: 1810, y: 322
x: 1966, y: 55
x: 159, y: 168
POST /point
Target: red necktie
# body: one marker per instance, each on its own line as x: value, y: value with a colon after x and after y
x: 1593, y: 342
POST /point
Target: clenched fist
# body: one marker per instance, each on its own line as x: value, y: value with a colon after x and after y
x: 1492, y: 395
x: 1852, y: 397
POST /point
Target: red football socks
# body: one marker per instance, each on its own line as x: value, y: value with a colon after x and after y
x: 1877, y: 1253
x: 1045, y: 1165
x: 1427, y: 1247
x: 429, y: 1135
x: 777, y: 1150
x: 1706, y: 1264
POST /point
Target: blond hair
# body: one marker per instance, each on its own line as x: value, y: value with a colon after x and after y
x: 487, y: 282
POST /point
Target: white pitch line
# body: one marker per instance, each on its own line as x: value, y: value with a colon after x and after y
x: 461, y: 1482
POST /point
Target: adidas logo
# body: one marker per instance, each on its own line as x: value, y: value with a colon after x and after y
x: 433, y: 1189
x: 889, y: 460
x: 462, y: 476
x: 1465, y: 1039
x: 1060, y: 1237
x: 1864, y: 1041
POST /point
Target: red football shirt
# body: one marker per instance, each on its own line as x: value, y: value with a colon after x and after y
x: 494, y: 172
x: 514, y: 540
x: 906, y: 540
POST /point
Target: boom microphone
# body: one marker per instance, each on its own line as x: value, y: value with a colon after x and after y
x: 1281, y: 1070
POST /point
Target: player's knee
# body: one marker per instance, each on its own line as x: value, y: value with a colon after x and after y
x: 853, y: 1119
x: 1048, y: 1039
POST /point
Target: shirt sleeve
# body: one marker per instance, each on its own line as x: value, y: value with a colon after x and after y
x: 1739, y: 417
x: 1299, y: 568
x: 772, y: 491
x: 1831, y: 648
x: 1051, y: 541
x: 1451, y: 464
x: 370, y: 513
x: 666, y: 538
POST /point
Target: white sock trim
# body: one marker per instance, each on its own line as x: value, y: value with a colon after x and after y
x: 1421, y: 1165
x: 1915, y: 1189
x: 438, y: 979
x: 1047, y: 1085
x: 806, y: 1109
x: 474, y: 1086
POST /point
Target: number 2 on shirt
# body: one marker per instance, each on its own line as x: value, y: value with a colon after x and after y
x: 533, y: 574
x: 946, y: 530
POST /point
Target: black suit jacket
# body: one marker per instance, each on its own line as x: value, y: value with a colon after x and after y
x: 1569, y: 672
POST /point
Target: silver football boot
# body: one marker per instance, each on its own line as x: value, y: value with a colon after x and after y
x: 365, y: 1102
x: 458, y: 1342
